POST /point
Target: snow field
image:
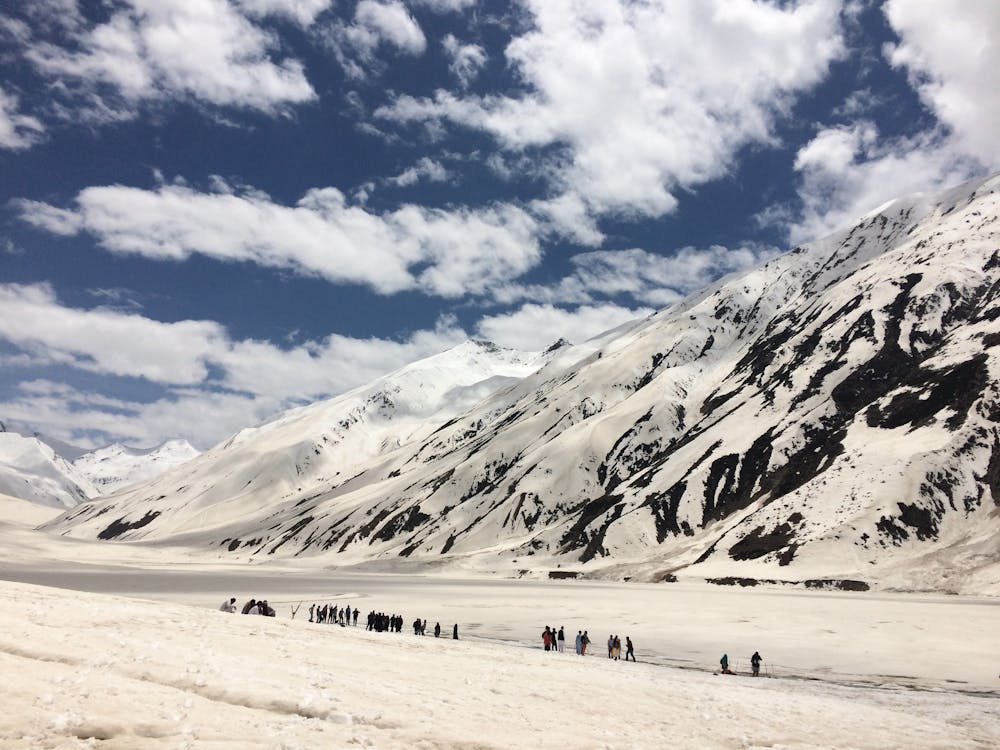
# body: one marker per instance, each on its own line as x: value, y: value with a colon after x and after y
x: 91, y: 670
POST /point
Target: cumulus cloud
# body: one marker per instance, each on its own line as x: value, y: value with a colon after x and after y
x: 640, y: 99
x: 375, y: 23
x: 195, y: 362
x: 444, y: 252
x: 17, y: 131
x: 464, y: 60
x: 537, y: 326
x: 951, y: 51
x: 154, y: 50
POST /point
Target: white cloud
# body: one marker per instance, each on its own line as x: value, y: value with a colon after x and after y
x: 444, y: 252
x: 465, y: 60
x: 302, y: 12
x: 425, y: 169
x: 951, y: 50
x: 445, y: 6
x: 535, y: 327
x: 648, y: 278
x: 845, y: 172
x: 212, y: 385
x: 173, y: 49
x: 375, y: 23
x: 17, y: 131
x: 643, y: 98
x: 105, y: 341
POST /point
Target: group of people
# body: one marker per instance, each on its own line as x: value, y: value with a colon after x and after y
x: 332, y: 615
x: 555, y: 640
x: 552, y: 639
x: 755, y: 661
x: 252, y: 607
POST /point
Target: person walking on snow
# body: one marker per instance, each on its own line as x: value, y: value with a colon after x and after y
x: 561, y: 640
x: 547, y: 639
x: 755, y: 664
x: 611, y: 646
x: 628, y: 649
x: 579, y: 637
x: 584, y: 642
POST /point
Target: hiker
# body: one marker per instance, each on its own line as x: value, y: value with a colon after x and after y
x: 611, y: 646
x: 355, y: 617
x: 724, y: 661
x: 547, y: 639
x: 579, y: 637
x: 628, y: 649
x: 229, y: 606
x: 437, y: 630
x: 616, y: 648
x: 312, y: 609
x: 416, y: 626
x: 454, y: 632
x: 561, y: 640
x: 584, y: 642
x: 755, y: 664
x: 423, y: 628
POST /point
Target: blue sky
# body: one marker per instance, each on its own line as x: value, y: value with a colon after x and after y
x: 213, y: 210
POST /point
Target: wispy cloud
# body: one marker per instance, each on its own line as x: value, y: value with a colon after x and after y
x: 17, y: 130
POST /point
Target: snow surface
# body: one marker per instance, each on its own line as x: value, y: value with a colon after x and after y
x: 95, y: 670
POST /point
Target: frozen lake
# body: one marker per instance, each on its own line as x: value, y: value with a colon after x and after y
x: 943, y: 642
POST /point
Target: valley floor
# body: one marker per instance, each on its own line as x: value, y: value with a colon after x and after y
x: 83, y: 666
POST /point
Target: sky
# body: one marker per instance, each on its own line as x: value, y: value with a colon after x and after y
x: 214, y: 210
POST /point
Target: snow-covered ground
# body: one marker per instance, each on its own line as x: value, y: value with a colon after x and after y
x: 93, y: 670
x: 169, y: 670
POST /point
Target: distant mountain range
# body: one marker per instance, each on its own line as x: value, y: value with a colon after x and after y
x: 50, y: 472
x: 831, y: 417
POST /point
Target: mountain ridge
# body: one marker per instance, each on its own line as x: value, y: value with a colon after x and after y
x: 831, y: 413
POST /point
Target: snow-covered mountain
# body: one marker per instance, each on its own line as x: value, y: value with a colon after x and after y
x: 831, y: 414
x: 113, y: 467
x: 31, y: 470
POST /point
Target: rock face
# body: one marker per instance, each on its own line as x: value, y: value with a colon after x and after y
x: 832, y: 414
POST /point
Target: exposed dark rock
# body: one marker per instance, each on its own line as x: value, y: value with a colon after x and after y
x: 759, y: 543
x: 557, y: 575
x: 120, y: 526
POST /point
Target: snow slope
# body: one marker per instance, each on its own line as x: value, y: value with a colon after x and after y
x: 31, y: 470
x: 829, y: 417
x: 113, y: 467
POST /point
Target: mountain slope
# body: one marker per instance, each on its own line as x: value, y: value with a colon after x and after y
x: 31, y: 470
x: 113, y: 467
x: 832, y: 413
